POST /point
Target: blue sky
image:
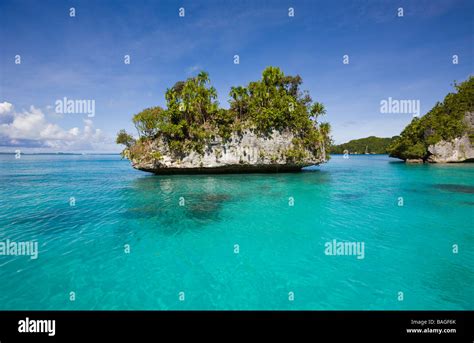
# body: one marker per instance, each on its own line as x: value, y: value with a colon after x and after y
x: 82, y: 57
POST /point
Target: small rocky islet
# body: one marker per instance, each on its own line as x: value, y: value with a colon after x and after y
x: 444, y: 135
x: 271, y: 126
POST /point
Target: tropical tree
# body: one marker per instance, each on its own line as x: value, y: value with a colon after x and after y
x: 317, y: 109
x: 239, y: 102
x: 147, y: 121
x: 124, y: 138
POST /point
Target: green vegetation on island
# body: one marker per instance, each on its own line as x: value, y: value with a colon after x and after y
x: 444, y: 122
x: 192, y: 117
x: 370, y: 145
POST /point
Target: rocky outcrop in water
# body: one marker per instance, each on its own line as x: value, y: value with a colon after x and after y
x: 246, y: 152
x: 445, y: 134
x: 271, y: 126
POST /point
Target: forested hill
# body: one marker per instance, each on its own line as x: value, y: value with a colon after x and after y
x: 374, y: 145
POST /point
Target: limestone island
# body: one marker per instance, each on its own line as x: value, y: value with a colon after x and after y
x: 443, y: 135
x: 271, y: 125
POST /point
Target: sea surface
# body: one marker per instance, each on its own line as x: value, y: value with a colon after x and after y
x: 134, y: 241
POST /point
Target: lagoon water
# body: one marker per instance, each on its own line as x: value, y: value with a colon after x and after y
x: 192, y: 248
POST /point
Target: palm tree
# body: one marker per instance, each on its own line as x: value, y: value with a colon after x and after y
x: 316, y: 110
x: 240, y: 95
x: 324, y: 129
x: 202, y: 78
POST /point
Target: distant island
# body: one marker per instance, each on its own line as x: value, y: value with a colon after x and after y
x: 444, y: 135
x: 271, y: 126
x: 368, y: 145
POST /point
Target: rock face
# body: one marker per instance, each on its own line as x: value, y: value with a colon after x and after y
x: 459, y: 149
x: 456, y: 150
x: 247, y: 152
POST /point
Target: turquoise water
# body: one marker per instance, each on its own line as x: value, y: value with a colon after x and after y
x: 190, y: 248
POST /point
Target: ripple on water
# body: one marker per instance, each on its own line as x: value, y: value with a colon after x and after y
x: 349, y: 197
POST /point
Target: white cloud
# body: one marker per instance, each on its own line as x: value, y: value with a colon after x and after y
x: 31, y: 129
x: 5, y: 107
x: 74, y: 131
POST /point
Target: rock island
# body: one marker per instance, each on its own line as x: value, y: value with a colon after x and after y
x: 271, y: 125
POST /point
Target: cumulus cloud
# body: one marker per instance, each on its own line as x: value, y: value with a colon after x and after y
x: 5, y: 107
x: 31, y: 129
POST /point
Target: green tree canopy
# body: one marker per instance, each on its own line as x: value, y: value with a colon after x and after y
x: 124, y: 138
x: 444, y: 121
x: 192, y: 115
x: 147, y: 121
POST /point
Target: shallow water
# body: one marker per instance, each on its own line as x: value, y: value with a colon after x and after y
x: 190, y: 248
